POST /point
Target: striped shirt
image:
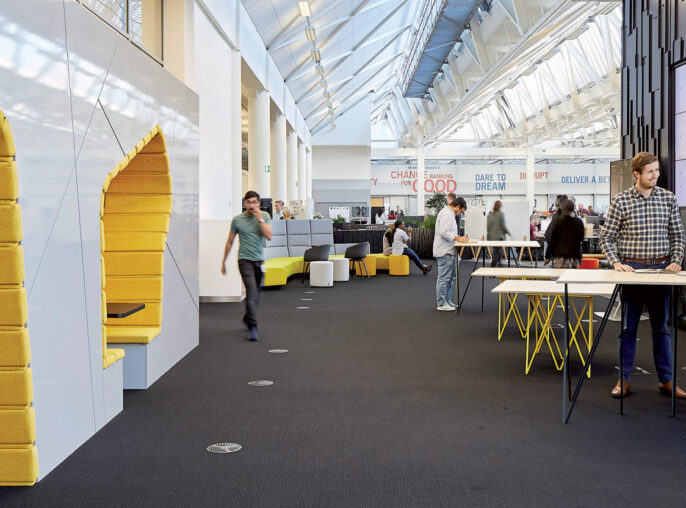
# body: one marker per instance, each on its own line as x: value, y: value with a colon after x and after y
x: 643, y: 228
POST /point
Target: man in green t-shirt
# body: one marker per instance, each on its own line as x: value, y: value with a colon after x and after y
x: 252, y: 226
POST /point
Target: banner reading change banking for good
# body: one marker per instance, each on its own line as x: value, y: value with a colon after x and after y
x: 491, y: 179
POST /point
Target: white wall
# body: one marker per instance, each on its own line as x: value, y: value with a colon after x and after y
x: 341, y: 162
x: 352, y: 128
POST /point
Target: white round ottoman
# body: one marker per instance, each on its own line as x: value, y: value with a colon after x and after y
x: 341, y: 269
x: 321, y: 274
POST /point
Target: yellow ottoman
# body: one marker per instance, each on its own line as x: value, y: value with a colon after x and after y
x: 399, y: 265
x: 381, y: 262
x: 370, y: 262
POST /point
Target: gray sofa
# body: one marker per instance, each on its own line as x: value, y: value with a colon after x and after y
x: 291, y: 238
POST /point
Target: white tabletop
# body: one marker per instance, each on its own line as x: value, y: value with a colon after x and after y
x: 518, y: 273
x: 498, y: 243
x: 550, y: 287
x: 616, y: 277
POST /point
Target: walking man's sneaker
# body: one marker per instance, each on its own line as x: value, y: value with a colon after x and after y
x: 445, y: 307
x: 252, y: 334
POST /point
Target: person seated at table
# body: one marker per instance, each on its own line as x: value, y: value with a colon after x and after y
x: 581, y: 212
x: 535, y: 234
x: 398, y: 212
x: 286, y: 213
x: 564, y: 245
x: 591, y: 212
x: 392, y: 215
x: 496, y: 230
x: 400, y: 241
x: 380, y: 216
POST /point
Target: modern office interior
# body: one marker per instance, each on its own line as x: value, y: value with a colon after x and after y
x: 130, y: 133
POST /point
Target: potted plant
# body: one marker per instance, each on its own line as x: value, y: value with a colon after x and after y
x: 338, y: 222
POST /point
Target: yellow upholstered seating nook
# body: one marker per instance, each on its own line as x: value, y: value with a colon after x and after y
x: 135, y: 209
x: 399, y: 265
x: 18, y: 454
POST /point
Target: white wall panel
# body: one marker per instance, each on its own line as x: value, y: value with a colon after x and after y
x: 252, y: 48
x: 224, y: 11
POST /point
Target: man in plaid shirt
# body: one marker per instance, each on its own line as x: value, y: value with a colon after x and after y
x: 645, y: 224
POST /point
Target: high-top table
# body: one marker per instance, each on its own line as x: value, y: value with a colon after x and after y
x: 482, y: 246
x: 578, y: 277
x: 503, y: 274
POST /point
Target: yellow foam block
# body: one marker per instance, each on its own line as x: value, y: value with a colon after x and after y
x: 16, y: 387
x: 156, y: 144
x: 137, y: 222
x: 140, y: 183
x: 381, y: 261
x: 9, y: 187
x: 134, y: 289
x: 18, y: 466
x: 148, y: 163
x: 17, y: 426
x: 399, y: 265
x: 138, y: 203
x: 10, y: 223
x: 134, y: 263
x: 119, y: 241
x: 14, y: 348
x: 370, y: 262
x: 131, y: 334
x: 6, y: 139
x: 13, y: 307
x: 11, y: 264
x: 151, y: 315
x: 112, y: 355
x: 275, y: 276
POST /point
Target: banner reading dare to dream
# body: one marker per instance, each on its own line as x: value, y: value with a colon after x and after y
x: 505, y: 179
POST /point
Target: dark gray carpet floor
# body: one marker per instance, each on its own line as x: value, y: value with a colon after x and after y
x: 381, y: 401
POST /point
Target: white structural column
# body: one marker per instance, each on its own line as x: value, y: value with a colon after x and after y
x: 292, y: 165
x: 530, y: 163
x: 278, y: 158
x: 258, y: 143
x: 420, y: 179
x: 308, y: 173
x: 302, y: 170
x: 236, y: 160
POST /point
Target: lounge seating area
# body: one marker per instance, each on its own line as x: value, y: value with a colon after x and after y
x: 285, y: 252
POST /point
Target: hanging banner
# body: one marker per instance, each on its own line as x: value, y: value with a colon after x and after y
x: 491, y: 179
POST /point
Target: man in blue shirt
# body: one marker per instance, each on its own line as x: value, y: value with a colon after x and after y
x: 252, y: 227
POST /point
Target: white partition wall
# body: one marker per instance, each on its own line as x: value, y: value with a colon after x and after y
x: 78, y: 97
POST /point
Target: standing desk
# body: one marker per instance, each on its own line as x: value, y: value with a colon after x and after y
x: 589, y: 277
x: 539, y: 314
x: 481, y: 246
x: 503, y: 274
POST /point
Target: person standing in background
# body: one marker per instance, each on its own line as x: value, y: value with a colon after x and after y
x: 564, y: 247
x: 643, y: 230
x: 252, y: 227
x: 278, y: 209
x: 496, y: 230
x: 445, y: 237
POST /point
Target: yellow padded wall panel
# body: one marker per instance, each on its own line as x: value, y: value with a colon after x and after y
x: 136, y: 222
x: 13, y: 307
x: 6, y: 139
x: 138, y: 203
x: 118, y: 241
x: 134, y: 289
x: 140, y: 183
x: 11, y: 264
x: 155, y: 145
x: 9, y: 186
x: 148, y: 163
x: 135, y: 263
x: 16, y: 387
x: 18, y: 466
x: 103, y: 306
x: 131, y: 334
x: 14, y: 349
x: 10, y: 223
x: 150, y: 316
x: 17, y: 426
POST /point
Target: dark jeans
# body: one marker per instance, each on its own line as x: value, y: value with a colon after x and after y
x: 252, y: 275
x: 657, y: 298
x: 413, y: 256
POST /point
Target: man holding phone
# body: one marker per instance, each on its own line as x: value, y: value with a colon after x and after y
x: 253, y: 227
x: 644, y: 223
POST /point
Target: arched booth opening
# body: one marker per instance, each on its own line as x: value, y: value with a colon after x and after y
x: 18, y: 455
x: 135, y: 208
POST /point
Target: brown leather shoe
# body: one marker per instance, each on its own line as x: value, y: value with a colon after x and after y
x: 616, y: 391
x: 666, y: 390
